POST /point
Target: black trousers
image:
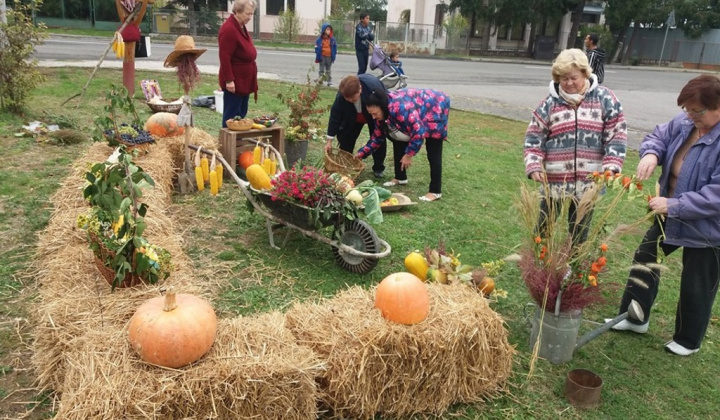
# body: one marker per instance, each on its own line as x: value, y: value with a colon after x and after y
x: 362, y: 59
x: 434, y: 156
x: 347, y: 137
x: 578, y: 229
x: 698, y: 285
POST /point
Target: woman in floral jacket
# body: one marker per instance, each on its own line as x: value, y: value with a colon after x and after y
x: 578, y: 129
x: 409, y: 117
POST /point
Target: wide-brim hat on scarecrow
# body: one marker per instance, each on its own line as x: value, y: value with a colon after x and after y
x: 184, y: 44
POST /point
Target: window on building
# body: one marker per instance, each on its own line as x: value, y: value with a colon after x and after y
x: 439, y: 18
x: 274, y: 7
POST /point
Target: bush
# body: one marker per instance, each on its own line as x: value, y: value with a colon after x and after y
x: 18, y: 73
x: 288, y: 26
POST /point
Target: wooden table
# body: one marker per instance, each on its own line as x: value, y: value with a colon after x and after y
x: 232, y: 143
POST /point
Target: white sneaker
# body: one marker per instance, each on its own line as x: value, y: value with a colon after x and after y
x: 676, y: 348
x: 626, y: 325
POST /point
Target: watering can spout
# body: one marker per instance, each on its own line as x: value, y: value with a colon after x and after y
x: 634, y: 312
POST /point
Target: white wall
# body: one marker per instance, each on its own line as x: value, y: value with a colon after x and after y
x: 421, y: 11
x: 310, y: 11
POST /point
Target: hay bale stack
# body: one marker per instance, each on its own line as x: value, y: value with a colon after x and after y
x: 74, y: 298
x: 460, y: 353
x: 176, y: 145
x: 254, y: 370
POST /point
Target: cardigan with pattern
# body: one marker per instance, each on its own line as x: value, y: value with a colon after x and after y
x: 569, y: 144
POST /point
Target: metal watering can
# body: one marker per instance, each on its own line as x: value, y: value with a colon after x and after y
x: 634, y: 312
x: 558, y: 333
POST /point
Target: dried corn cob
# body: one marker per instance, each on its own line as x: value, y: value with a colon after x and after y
x: 257, y: 154
x: 219, y: 169
x: 205, y: 165
x: 198, y: 171
x: 213, y: 177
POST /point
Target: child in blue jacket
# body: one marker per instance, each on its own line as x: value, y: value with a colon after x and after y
x: 325, y: 52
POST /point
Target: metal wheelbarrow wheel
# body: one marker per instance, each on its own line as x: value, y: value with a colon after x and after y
x: 361, y: 237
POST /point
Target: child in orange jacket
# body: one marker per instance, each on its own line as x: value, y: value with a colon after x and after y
x: 325, y: 52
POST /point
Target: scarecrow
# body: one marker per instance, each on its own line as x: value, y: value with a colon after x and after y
x: 183, y: 58
x: 128, y: 36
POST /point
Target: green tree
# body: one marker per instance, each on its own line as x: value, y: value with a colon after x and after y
x: 696, y: 16
x: 288, y: 26
x: 18, y: 72
x: 621, y: 14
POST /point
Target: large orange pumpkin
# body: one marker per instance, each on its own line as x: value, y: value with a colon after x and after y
x: 163, y: 124
x: 402, y: 298
x: 245, y: 159
x: 173, y: 331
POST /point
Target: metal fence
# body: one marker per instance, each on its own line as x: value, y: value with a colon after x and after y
x: 689, y: 53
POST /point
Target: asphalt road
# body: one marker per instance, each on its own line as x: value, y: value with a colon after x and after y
x: 505, y: 88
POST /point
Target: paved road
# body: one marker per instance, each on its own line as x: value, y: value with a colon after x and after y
x: 510, y: 89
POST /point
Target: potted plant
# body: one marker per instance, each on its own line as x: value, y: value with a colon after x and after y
x: 115, y: 223
x: 564, y: 278
x: 108, y: 127
x: 304, y: 118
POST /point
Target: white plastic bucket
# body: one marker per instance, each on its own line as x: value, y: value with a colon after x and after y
x: 219, y: 101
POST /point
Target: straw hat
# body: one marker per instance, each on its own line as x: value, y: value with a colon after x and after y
x: 184, y: 44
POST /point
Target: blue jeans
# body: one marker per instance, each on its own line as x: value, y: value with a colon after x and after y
x: 233, y: 106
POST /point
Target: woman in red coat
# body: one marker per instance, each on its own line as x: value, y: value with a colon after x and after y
x: 238, y: 70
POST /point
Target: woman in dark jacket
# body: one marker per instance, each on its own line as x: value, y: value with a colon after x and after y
x: 349, y: 114
x: 688, y: 208
x: 238, y: 70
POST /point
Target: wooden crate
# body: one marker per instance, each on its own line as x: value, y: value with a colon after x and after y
x: 232, y: 143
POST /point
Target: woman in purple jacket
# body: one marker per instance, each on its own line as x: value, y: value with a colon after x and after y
x: 688, y: 214
x: 409, y: 117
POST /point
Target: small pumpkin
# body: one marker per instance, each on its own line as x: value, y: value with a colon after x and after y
x: 257, y: 177
x: 164, y: 124
x: 402, y: 298
x: 416, y: 264
x: 486, y: 285
x: 245, y: 159
x: 174, y: 330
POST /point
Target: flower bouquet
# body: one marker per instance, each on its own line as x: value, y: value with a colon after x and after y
x: 561, y: 276
x: 115, y: 223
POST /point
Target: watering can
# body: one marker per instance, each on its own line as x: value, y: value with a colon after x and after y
x: 558, y: 333
x: 634, y: 312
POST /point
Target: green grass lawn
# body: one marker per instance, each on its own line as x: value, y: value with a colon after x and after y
x: 477, y: 218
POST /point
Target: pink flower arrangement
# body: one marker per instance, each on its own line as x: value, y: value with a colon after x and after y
x: 306, y: 186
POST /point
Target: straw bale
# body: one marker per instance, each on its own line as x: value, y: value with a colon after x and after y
x: 176, y: 145
x: 460, y: 353
x: 73, y: 297
x: 254, y: 370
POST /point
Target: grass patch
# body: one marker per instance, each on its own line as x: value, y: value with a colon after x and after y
x: 228, y: 244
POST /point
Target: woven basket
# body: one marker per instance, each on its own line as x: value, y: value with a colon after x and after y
x: 342, y: 162
x: 130, y: 280
x: 240, y: 125
x: 174, y: 108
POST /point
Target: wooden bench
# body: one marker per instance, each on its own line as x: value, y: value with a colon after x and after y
x: 232, y: 143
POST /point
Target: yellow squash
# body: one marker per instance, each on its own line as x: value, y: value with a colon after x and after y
x: 258, y: 178
x: 415, y: 263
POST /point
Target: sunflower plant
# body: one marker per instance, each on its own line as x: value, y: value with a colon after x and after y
x: 115, y: 222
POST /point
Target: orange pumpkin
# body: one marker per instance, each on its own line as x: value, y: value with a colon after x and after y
x: 402, y: 298
x: 163, y: 124
x: 245, y: 159
x: 173, y: 331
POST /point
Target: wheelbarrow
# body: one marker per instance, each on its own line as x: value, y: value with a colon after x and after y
x: 357, y: 248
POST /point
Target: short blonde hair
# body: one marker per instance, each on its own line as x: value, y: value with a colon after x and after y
x: 241, y: 5
x: 567, y: 60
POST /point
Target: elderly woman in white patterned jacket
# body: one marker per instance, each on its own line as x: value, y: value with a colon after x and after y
x: 578, y: 129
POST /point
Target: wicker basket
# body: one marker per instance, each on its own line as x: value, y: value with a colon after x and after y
x: 240, y: 125
x: 174, y: 108
x: 107, y: 272
x: 344, y: 163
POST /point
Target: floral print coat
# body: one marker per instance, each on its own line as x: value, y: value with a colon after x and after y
x: 418, y: 113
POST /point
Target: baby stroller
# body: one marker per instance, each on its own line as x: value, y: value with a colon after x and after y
x: 389, y: 77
